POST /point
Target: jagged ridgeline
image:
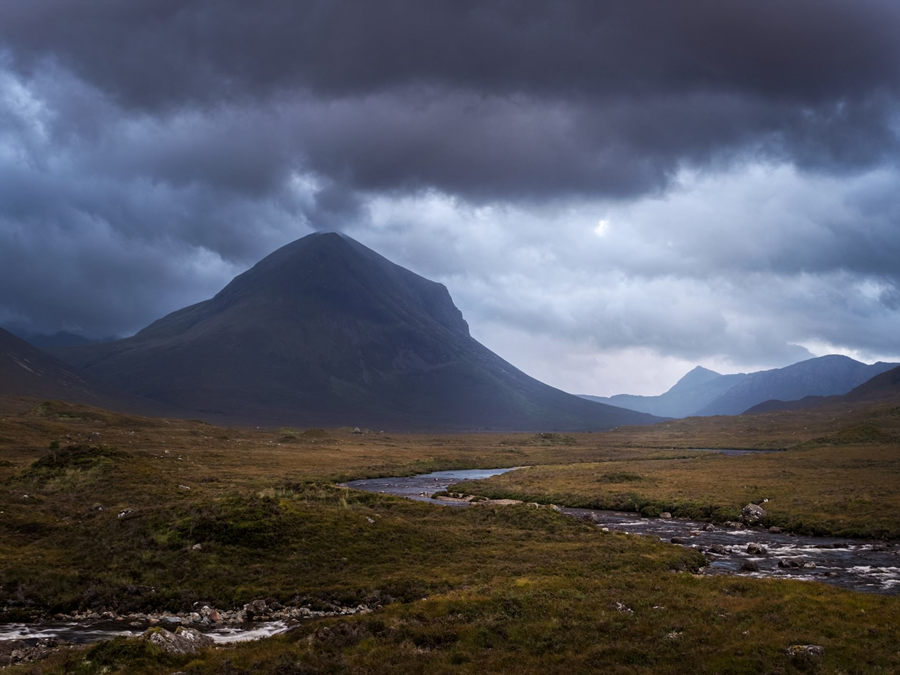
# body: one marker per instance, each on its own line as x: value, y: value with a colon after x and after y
x: 325, y: 331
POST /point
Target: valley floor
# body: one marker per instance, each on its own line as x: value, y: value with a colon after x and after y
x: 107, y: 512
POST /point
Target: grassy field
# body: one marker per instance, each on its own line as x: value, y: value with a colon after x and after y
x: 103, y: 511
x: 848, y: 490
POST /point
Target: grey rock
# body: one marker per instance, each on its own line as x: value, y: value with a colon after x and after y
x: 752, y: 514
x: 757, y: 549
x: 182, y: 641
x: 795, y: 561
x: 256, y: 609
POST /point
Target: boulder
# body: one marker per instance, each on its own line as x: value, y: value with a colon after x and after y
x: 256, y: 609
x: 750, y: 566
x: 210, y: 614
x: 182, y: 641
x: 753, y: 514
x: 756, y: 549
x: 795, y: 561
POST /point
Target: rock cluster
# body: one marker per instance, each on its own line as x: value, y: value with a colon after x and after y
x: 206, y: 616
x: 13, y: 652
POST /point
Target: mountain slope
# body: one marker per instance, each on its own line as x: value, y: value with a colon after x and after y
x: 885, y: 386
x: 325, y: 331
x: 822, y: 376
x: 27, y: 371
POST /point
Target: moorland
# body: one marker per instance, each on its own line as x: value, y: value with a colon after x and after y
x: 107, y: 512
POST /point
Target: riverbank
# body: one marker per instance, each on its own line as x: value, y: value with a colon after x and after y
x: 840, y: 490
x: 731, y: 548
x: 142, y: 516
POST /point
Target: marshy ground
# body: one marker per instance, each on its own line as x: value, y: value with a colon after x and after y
x: 103, y: 511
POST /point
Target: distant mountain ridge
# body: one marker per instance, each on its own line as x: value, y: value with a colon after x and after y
x: 704, y: 392
x: 885, y: 386
x: 325, y: 331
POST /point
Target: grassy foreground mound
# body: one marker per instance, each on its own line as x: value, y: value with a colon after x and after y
x: 106, y: 512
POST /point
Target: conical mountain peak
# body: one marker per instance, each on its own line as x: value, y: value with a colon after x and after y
x: 333, y: 272
x: 327, y: 331
x: 696, y: 377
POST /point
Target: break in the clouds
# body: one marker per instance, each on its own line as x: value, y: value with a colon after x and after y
x: 612, y: 192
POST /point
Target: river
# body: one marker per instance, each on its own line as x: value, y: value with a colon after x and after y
x: 869, y: 566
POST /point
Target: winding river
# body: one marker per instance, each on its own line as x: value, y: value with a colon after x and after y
x: 869, y: 566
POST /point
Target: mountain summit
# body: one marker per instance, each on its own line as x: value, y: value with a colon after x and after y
x: 325, y: 331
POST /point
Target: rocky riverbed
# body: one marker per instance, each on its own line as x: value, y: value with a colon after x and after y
x: 179, y: 632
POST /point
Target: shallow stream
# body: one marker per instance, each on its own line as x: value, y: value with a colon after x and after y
x: 871, y: 566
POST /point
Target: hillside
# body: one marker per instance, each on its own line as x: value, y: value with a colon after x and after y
x: 703, y: 392
x: 885, y: 386
x: 27, y: 371
x: 325, y: 331
x: 823, y: 376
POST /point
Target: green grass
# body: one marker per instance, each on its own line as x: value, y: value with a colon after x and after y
x: 850, y: 490
x: 482, y: 589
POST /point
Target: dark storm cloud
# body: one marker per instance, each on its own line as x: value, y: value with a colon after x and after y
x: 171, y: 51
x: 496, y: 99
x: 745, y: 155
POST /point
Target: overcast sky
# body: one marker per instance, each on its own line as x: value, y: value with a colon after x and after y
x: 613, y: 192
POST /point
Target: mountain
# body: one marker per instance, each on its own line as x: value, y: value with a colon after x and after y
x: 822, y: 376
x: 695, y: 390
x: 885, y: 386
x: 28, y: 371
x: 704, y: 392
x: 325, y: 331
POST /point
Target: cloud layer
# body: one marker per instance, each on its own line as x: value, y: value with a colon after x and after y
x: 597, y: 183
